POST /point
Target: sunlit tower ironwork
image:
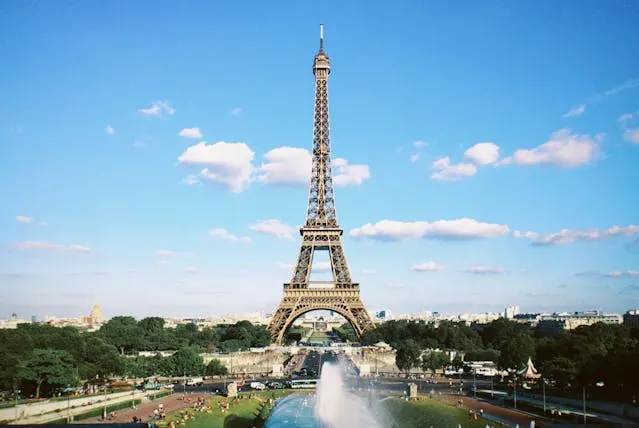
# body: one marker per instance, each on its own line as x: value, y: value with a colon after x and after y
x: 321, y: 232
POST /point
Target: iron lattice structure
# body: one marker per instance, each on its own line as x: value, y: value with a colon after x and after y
x: 321, y: 232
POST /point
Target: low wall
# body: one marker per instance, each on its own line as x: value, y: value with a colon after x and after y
x: 248, y: 362
x: 59, y: 409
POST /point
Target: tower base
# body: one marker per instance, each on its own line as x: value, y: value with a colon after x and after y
x: 297, y: 302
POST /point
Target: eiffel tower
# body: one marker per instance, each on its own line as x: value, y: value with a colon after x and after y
x: 320, y: 233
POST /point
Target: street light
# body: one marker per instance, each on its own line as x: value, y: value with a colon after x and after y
x: 515, y: 390
x: 17, y: 392
x: 598, y: 384
x: 543, y: 389
x: 492, y: 394
x: 475, y: 382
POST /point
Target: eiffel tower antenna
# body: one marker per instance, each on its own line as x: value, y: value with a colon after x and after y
x: 320, y: 232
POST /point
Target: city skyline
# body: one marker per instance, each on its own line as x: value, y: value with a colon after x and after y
x: 166, y: 172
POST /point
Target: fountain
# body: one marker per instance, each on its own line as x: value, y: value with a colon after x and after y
x: 333, y: 406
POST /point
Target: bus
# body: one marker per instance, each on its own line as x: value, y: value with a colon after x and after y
x: 304, y: 384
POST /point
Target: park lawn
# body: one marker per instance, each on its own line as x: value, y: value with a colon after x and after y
x: 426, y: 413
x: 244, y: 414
x: 319, y: 336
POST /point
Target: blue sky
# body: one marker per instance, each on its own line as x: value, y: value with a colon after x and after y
x: 103, y: 200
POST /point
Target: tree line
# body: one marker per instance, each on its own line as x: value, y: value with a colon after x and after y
x: 38, y: 358
x: 597, y: 354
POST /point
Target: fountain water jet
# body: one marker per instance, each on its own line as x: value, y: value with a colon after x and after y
x: 336, y: 406
x: 333, y: 406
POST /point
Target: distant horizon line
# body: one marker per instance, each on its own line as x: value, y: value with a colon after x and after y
x: 246, y: 315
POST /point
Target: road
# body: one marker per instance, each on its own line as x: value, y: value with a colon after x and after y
x: 312, y: 363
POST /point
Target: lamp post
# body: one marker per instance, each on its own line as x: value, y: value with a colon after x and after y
x: 475, y: 383
x: 515, y: 391
x: 17, y: 392
x: 68, y: 406
x: 492, y: 394
x: 583, y: 392
x: 104, y: 411
x: 543, y: 389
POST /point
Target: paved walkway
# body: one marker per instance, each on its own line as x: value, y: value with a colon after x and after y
x: 510, y: 415
x: 145, y: 410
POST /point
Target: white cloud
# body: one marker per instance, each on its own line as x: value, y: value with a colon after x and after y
x: 24, y: 219
x: 237, y: 111
x: 577, y: 111
x: 625, y: 117
x: 415, y: 157
x: 316, y: 267
x: 568, y: 236
x: 429, y: 266
x: 158, y: 108
x: 286, y: 266
x: 445, y: 171
x: 192, y: 180
x: 369, y: 271
x: 345, y: 174
x: 292, y: 165
x: 394, y: 285
x: 171, y: 253
x: 563, y: 149
x: 109, y: 130
x: 225, y: 235
x: 485, y: 270
x: 190, y: 133
x: 419, y: 144
x: 619, y: 274
x: 43, y: 245
x: 286, y: 165
x: 274, y: 228
x: 632, y: 135
x: 321, y: 267
x: 191, y: 269
x: 139, y: 144
x: 465, y: 228
x: 629, y: 84
x: 229, y: 164
x: 483, y: 153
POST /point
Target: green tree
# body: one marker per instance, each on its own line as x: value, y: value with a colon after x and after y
x: 124, y: 333
x: 434, y: 361
x: 187, y: 361
x: 515, y: 353
x: 101, y: 359
x: 50, y: 366
x: 407, y: 355
x: 561, y: 370
x: 216, y: 368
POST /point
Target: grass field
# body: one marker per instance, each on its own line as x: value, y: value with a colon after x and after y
x: 396, y: 413
x: 427, y: 413
x: 243, y: 413
x: 319, y: 336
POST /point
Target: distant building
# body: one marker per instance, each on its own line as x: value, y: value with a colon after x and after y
x: 631, y: 318
x: 383, y: 314
x: 34, y: 319
x: 12, y: 322
x: 97, y: 317
x: 510, y: 312
x: 570, y: 321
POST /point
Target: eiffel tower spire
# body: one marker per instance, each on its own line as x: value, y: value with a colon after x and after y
x: 320, y: 232
x: 321, y: 199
